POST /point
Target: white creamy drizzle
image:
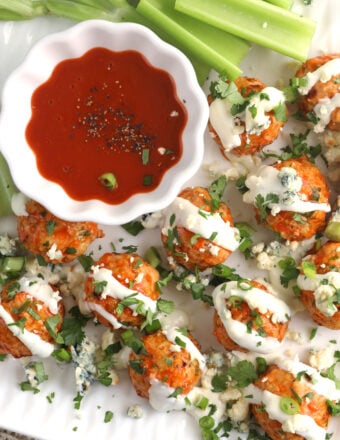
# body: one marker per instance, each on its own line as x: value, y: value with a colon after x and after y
x: 39, y: 289
x: 321, y: 385
x: 323, y: 287
x: 228, y: 127
x: 268, y: 180
x: 256, y: 124
x: 324, y: 73
x: 256, y: 299
x: 159, y: 399
x: 94, y: 307
x: 115, y: 289
x: 225, y: 124
x: 18, y: 204
x: 173, y: 334
x: 33, y: 342
x: 298, y: 423
x: 323, y: 111
x: 208, y: 225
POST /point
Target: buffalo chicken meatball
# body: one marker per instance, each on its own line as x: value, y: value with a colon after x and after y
x: 56, y: 240
x: 250, y: 124
x: 120, y: 290
x: 28, y: 307
x: 290, y: 196
x: 195, y: 234
x: 318, y: 85
x: 319, y: 282
x: 248, y: 317
x: 290, y: 401
x: 170, y: 360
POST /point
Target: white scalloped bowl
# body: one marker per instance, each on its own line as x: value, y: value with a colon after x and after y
x: 37, y: 68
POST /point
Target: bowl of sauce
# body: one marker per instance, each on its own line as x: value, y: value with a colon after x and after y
x: 103, y: 122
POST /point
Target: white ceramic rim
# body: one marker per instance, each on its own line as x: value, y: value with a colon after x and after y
x: 16, y: 112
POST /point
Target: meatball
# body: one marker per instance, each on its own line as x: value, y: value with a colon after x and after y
x: 195, y: 234
x: 248, y: 317
x: 56, y: 240
x: 318, y: 100
x: 320, y: 286
x: 166, y: 362
x: 252, y: 125
x: 298, y: 398
x: 120, y: 290
x: 27, y: 306
x: 291, y: 197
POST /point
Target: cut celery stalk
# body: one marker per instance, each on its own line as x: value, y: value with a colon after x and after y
x: 22, y: 8
x: 7, y: 15
x: 7, y: 188
x: 286, y: 4
x: 257, y: 21
x: 76, y: 11
x: 221, y: 51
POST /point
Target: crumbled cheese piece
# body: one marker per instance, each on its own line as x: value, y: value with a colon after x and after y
x: 239, y: 411
x: 7, y: 245
x: 54, y: 253
x: 295, y: 336
x: 321, y: 359
x: 135, y: 412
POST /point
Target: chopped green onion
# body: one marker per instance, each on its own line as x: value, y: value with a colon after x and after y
x: 309, y: 269
x: 12, y: 264
x: 108, y: 180
x: 147, y: 180
x: 257, y: 21
x: 289, y: 406
x: 108, y: 416
x: 206, y: 422
x: 202, y: 403
x: 152, y: 256
x: 145, y: 156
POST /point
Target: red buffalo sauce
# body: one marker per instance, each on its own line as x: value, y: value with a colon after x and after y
x: 106, y: 113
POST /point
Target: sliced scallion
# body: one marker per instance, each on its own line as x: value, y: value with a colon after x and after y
x: 108, y: 180
x: 289, y: 406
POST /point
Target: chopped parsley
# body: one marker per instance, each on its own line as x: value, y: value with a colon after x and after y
x: 134, y: 227
x: 225, y: 90
x: 289, y: 270
x: 216, y: 191
x: 246, y: 231
x: 86, y: 262
x: 298, y: 147
x: 108, y: 416
x: 262, y: 203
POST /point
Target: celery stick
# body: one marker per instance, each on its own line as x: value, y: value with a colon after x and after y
x: 25, y: 8
x: 221, y: 51
x: 76, y: 11
x: 7, y: 15
x: 257, y: 21
x: 21, y: 9
x: 7, y: 188
x: 99, y: 4
x: 286, y: 4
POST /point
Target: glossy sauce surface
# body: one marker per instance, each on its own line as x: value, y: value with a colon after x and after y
x: 106, y: 112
